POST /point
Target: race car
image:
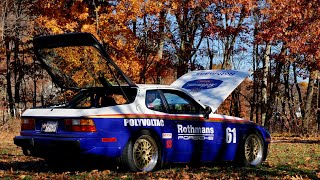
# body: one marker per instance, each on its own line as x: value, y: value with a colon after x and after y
x: 140, y: 126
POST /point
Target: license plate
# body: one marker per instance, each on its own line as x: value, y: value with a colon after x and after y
x: 49, y: 126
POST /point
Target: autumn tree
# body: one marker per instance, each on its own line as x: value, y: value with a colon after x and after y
x: 293, y: 24
x: 14, y: 36
x: 153, y: 40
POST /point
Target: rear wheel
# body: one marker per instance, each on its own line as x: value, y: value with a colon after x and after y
x: 142, y: 153
x: 252, y: 150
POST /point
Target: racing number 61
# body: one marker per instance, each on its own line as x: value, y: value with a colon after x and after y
x: 231, y: 135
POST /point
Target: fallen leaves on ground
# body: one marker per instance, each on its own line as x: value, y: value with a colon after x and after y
x: 286, y: 160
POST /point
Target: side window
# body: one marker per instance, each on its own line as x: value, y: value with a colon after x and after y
x: 180, y: 103
x: 104, y: 100
x: 153, y: 101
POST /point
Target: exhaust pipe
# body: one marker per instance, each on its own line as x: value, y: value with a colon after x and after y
x: 26, y: 152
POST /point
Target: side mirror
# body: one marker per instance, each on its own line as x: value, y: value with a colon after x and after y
x: 207, y: 111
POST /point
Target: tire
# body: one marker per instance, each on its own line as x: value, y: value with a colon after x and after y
x: 252, y: 150
x: 142, y: 153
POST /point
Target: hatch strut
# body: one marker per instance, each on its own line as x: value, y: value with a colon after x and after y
x: 125, y: 95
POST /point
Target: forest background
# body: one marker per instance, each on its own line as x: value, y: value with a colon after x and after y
x: 157, y: 41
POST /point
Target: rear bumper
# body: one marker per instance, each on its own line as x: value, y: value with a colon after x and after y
x: 48, y: 147
x: 40, y: 147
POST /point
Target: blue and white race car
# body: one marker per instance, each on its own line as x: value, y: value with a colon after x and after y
x: 141, y: 126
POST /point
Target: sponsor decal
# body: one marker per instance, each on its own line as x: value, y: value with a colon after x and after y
x: 166, y: 135
x: 200, y: 84
x: 218, y: 73
x: 190, y: 132
x: 169, y: 143
x: 143, y: 122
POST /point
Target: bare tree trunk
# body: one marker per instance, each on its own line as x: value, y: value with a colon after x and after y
x: 230, y: 41
x: 182, y: 55
x: 318, y: 110
x: 292, y: 109
x: 144, y: 54
x: 8, y: 77
x: 4, y: 6
x: 134, y: 27
x: 210, y: 54
x: 272, y: 109
x: 308, y: 103
x: 34, y: 102
x: 253, y: 102
x: 301, y: 104
x: 287, y: 95
x: 17, y: 71
x: 162, y: 20
x: 235, y: 103
x: 189, y: 23
x: 264, y: 100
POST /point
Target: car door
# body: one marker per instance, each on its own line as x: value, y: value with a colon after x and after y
x: 191, y: 132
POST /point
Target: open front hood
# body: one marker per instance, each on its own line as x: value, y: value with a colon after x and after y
x: 211, y: 87
x: 78, y: 60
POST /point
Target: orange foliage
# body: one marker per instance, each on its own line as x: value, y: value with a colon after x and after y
x: 303, y: 84
x: 296, y: 23
x: 98, y: 19
x: 109, y: 23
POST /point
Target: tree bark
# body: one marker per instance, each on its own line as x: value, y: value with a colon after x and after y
x: 301, y: 104
x: 264, y: 94
x: 210, y: 54
x: 230, y: 41
x: 8, y: 77
x: 17, y: 71
x: 189, y: 23
x: 308, y: 102
x: 162, y: 20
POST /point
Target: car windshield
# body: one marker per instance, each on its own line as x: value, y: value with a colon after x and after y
x: 80, y: 67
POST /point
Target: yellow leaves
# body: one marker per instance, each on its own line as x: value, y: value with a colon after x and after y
x: 174, y: 6
x: 51, y: 24
x: 112, y: 24
x: 152, y: 7
x: 89, y: 28
x: 98, y: 9
x: 71, y: 26
x: 120, y: 43
x: 83, y: 16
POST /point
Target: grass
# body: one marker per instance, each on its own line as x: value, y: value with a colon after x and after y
x: 289, y: 158
x: 295, y: 159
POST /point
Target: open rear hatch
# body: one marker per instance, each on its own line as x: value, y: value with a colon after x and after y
x: 77, y: 61
x: 211, y: 87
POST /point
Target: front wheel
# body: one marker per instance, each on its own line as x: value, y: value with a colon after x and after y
x: 253, y: 150
x: 142, y: 153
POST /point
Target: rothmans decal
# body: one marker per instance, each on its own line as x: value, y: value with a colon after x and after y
x: 190, y: 132
x: 143, y: 122
x: 202, y: 84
